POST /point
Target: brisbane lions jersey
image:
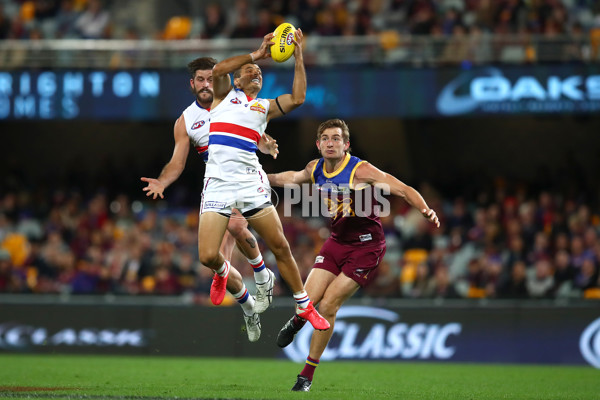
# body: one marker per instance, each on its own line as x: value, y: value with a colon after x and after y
x: 236, y: 126
x: 353, y: 211
x: 197, y: 122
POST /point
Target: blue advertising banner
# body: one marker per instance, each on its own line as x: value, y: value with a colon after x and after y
x: 496, y: 334
x: 359, y: 93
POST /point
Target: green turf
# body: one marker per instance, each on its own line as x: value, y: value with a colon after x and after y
x: 95, y: 377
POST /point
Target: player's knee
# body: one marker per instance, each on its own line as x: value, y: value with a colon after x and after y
x: 328, y: 309
x: 209, y: 257
x: 280, y: 247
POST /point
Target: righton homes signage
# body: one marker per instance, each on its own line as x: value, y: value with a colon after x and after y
x: 362, y: 92
x: 459, y: 332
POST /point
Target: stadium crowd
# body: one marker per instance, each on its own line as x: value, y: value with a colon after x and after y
x: 504, y: 243
x: 462, y: 26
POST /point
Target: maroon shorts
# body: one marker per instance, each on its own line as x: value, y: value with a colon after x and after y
x: 356, y: 262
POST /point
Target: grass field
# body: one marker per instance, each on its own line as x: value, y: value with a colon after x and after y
x: 111, y: 377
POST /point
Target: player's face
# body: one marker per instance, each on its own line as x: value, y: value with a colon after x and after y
x: 331, y: 143
x: 250, y: 78
x: 202, y: 85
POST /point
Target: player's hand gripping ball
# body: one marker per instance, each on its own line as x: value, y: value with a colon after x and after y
x: 284, y: 42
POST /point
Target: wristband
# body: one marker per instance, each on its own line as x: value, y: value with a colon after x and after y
x: 251, y: 57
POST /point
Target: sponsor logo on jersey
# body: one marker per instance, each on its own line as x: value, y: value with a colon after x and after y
x: 365, y: 238
x: 251, y: 170
x: 236, y: 101
x: 319, y: 259
x: 214, y: 204
x: 198, y: 124
x: 258, y: 107
x: 260, y: 190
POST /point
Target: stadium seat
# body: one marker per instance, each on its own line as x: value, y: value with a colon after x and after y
x: 591, y: 293
x: 411, y: 259
x: 178, y: 28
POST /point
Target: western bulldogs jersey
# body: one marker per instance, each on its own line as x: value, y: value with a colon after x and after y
x: 197, y: 122
x: 236, y: 126
x: 340, y: 196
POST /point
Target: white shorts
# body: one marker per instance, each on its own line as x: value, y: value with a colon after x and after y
x: 223, y: 196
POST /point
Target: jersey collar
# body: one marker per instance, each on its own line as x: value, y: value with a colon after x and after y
x: 198, y: 104
x: 340, y: 168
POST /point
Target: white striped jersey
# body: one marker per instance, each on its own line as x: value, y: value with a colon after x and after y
x: 197, y: 122
x: 236, y: 126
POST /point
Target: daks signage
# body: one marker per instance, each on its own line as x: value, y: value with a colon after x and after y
x: 376, y: 333
x: 492, y: 91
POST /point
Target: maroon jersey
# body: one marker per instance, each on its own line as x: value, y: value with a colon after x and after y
x: 354, y: 216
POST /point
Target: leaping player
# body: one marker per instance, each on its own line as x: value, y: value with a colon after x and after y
x: 193, y: 127
x: 235, y: 179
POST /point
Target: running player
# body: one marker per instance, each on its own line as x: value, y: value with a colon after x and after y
x: 192, y: 127
x: 348, y: 259
x: 235, y: 178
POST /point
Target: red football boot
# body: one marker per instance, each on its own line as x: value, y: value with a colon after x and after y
x: 218, y: 288
x: 311, y: 315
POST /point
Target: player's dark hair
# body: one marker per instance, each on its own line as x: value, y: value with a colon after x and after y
x: 200, y: 64
x: 335, y: 123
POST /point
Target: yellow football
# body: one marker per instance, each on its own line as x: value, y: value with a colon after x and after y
x: 284, y: 42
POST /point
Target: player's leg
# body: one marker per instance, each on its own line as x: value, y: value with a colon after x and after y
x: 235, y: 286
x: 267, y: 224
x: 227, y: 244
x: 246, y: 242
x: 336, y: 294
x: 317, y: 282
x: 211, y: 231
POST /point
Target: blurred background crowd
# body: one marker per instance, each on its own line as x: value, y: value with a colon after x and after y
x: 510, y: 239
x: 103, y: 19
x: 505, y: 242
x: 463, y: 27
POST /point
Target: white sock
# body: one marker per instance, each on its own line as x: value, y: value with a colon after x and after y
x: 260, y: 269
x: 302, y: 299
x: 224, y: 270
x: 245, y: 300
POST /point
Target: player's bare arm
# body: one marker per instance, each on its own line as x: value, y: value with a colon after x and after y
x: 366, y: 173
x: 292, y: 177
x: 220, y: 74
x: 175, y: 166
x: 268, y: 145
x: 288, y: 102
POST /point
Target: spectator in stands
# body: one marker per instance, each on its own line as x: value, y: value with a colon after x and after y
x: 5, y: 24
x: 265, y: 23
x: 540, y: 280
x: 66, y: 20
x: 516, y: 286
x: 215, y: 21
x: 94, y: 22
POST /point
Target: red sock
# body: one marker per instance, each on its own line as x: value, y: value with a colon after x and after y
x: 309, y: 368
